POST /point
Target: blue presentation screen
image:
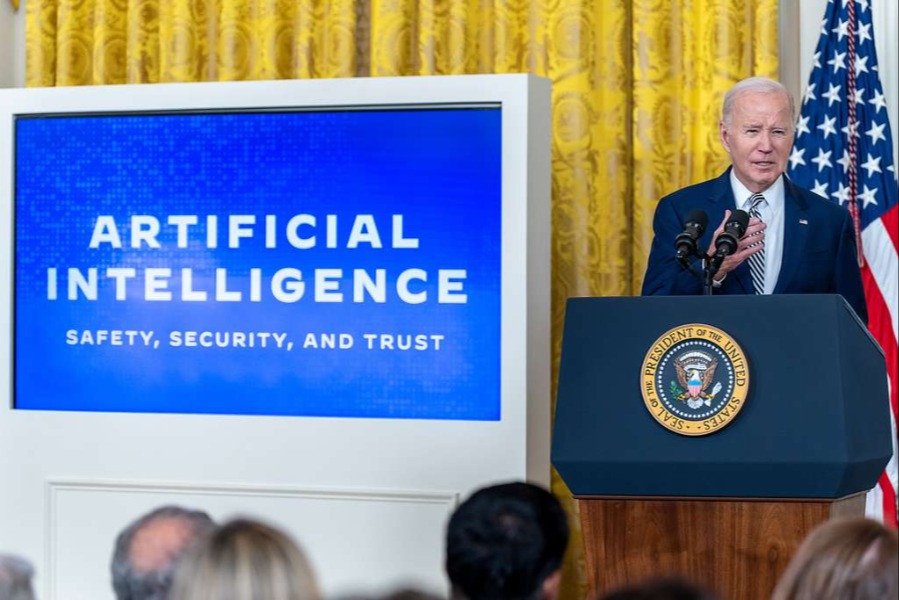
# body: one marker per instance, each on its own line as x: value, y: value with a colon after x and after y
x: 341, y: 263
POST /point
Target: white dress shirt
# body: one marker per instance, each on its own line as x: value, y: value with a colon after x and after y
x: 772, y: 213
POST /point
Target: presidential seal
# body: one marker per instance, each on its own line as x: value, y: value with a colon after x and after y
x: 694, y: 379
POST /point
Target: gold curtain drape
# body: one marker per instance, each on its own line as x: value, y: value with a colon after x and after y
x: 637, y: 86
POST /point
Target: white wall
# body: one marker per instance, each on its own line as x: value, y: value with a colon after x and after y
x: 7, y: 44
x: 12, y: 45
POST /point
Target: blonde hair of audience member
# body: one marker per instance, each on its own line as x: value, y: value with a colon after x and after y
x: 845, y: 559
x: 245, y: 560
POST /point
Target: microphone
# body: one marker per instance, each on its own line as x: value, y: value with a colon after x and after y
x: 729, y: 239
x: 694, y: 226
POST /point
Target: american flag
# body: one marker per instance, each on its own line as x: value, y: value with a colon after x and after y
x: 847, y: 156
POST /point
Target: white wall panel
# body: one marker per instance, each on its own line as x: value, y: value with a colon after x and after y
x: 336, y: 526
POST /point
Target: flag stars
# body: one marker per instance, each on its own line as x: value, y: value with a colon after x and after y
x: 867, y: 196
x: 864, y: 32
x: 823, y: 159
x: 872, y: 165
x: 838, y: 61
x: 876, y: 132
x: 820, y: 188
x: 828, y: 126
x: 842, y: 29
x: 802, y: 126
x: 878, y: 101
x: 832, y: 104
x: 842, y: 194
x: 810, y: 93
x: 845, y: 129
x: 832, y: 94
x: 845, y: 161
x: 796, y: 157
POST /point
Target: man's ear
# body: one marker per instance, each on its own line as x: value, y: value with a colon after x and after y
x: 722, y: 134
x: 550, y: 588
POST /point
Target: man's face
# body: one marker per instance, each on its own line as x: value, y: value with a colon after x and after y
x: 758, y: 138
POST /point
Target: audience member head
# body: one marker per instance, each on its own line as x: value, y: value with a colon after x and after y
x: 410, y: 593
x: 845, y: 559
x: 661, y: 589
x: 147, y: 552
x: 401, y: 593
x: 245, y: 560
x: 15, y: 578
x: 506, y: 542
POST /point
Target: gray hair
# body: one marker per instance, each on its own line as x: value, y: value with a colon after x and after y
x: 15, y: 578
x: 133, y: 584
x: 758, y: 85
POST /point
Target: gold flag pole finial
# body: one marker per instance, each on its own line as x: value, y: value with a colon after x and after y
x: 15, y: 4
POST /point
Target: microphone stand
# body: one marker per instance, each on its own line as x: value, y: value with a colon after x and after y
x: 708, y: 272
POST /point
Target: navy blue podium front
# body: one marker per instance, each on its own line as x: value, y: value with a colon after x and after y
x: 812, y: 432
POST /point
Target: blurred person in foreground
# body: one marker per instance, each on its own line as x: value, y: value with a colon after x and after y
x: 507, y: 542
x: 843, y: 559
x: 402, y: 593
x: 15, y: 578
x: 148, y: 550
x: 661, y: 589
x: 245, y: 560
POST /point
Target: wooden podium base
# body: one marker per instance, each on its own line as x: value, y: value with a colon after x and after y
x: 736, y: 548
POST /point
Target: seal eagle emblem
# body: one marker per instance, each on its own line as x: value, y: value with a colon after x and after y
x: 695, y: 379
x: 695, y: 374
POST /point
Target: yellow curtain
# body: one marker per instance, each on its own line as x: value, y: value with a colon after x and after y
x: 637, y: 86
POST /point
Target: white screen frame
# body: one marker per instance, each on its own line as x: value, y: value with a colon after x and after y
x: 159, y: 453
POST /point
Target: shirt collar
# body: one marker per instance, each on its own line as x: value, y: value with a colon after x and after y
x: 774, y: 194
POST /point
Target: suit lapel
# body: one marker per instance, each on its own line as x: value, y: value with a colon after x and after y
x: 795, y: 236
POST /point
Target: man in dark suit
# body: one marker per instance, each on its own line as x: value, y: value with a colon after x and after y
x: 796, y: 241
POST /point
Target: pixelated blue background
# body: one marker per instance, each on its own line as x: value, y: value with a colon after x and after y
x: 441, y: 169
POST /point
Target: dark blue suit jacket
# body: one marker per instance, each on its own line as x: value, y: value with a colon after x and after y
x: 819, y: 251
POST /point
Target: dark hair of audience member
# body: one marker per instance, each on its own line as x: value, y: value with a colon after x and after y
x: 403, y: 593
x: 15, y: 578
x: 148, y: 550
x: 673, y: 588
x: 409, y: 593
x: 245, y: 560
x: 505, y: 541
x: 845, y: 559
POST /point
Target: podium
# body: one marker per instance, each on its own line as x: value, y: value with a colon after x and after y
x: 728, y: 509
